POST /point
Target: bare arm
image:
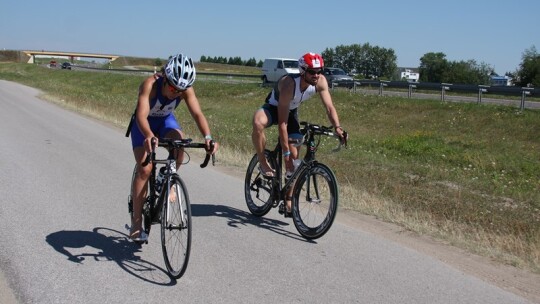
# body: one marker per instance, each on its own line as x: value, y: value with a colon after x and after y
x: 326, y: 98
x: 195, y: 110
x: 143, y: 109
x: 286, y: 89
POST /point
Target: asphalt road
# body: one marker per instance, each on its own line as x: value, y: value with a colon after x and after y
x: 64, y: 182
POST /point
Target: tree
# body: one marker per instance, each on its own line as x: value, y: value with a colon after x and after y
x: 251, y: 62
x: 364, y: 59
x: 467, y: 72
x: 432, y: 67
x: 529, y: 69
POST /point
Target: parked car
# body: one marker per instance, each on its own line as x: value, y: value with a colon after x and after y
x: 66, y: 65
x: 52, y: 64
x: 337, y: 76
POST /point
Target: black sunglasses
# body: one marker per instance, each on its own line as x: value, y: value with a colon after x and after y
x: 313, y: 72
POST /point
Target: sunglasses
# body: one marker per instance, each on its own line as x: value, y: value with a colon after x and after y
x: 313, y: 72
x: 173, y: 89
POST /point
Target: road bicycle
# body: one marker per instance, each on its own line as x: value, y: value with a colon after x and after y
x: 167, y: 203
x: 314, y: 185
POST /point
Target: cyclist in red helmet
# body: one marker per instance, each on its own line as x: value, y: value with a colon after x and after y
x: 281, y: 108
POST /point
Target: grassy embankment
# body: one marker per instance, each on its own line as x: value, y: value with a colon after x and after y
x: 466, y: 174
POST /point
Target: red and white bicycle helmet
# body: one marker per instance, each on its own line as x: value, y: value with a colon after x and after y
x: 310, y: 61
x: 180, y: 71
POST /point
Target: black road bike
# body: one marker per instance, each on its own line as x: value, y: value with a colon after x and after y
x: 167, y: 203
x: 314, y: 186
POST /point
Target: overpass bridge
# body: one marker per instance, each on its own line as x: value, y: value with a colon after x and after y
x: 32, y: 55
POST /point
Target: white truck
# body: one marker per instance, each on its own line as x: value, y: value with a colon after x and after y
x: 274, y: 68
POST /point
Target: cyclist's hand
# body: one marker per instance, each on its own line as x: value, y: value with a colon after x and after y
x: 211, y: 147
x: 150, y: 144
x: 343, y: 136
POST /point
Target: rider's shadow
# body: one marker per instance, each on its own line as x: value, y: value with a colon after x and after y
x: 107, y: 245
x: 237, y: 218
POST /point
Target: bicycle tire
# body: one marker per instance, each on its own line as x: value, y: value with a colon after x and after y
x: 315, y: 201
x: 176, y: 227
x: 258, y: 189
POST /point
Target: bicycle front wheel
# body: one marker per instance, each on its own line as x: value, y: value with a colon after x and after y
x: 257, y: 188
x: 315, y: 201
x: 176, y: 227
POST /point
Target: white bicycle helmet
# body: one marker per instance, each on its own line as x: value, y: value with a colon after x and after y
x: 180, y: 71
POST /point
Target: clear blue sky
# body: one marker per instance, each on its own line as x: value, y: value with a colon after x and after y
x: 495, y: 32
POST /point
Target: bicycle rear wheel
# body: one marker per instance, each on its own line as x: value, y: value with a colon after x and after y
x: 257, y: 188
x: 315, y: 201
x: 176, y: 227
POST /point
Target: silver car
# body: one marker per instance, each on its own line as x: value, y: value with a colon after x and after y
x: 337, y: 76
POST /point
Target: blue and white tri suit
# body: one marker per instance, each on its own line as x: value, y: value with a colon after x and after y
x: 161, y: 117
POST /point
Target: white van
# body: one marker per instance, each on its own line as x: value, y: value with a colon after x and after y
x: 274, y: 68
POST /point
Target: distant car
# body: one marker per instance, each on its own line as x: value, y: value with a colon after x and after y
x: 337, y: 76
x: 66, y: 65
x: 52, y: 64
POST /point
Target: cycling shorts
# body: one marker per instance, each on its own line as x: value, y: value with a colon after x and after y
x: 293, y: 124
x: 160, y: 126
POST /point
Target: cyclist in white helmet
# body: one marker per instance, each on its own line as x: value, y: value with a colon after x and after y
x: 159, y: 95
x: 281, y: 108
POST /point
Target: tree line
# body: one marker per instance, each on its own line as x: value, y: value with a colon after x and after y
x: 252, y: 62
x: 373, y: 62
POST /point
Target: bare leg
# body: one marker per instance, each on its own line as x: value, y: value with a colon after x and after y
x: 260, y: 121
x: 139, y: 191
x: 288, y: 202
x: 177, y: 134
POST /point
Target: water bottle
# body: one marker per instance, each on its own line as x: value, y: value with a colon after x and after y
x: 160, y: 178
x: 172, y: 167
x: 296, y: 164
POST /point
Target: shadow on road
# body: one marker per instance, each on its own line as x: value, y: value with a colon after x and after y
x: 107, y: 245
x: 237, y: 218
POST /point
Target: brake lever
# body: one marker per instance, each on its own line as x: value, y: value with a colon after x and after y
x: 342, y: 142
x: 208, y: 156
x: 152, y: 155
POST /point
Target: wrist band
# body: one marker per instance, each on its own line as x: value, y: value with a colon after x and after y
x: 208, y: 137
x: 286, y: 153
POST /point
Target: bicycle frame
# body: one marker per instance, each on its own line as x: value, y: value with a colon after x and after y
x: 307, y: 162
x: 312, y: 188
x: 156, y: 202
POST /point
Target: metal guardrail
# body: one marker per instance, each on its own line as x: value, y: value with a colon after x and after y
x: 412, y: 87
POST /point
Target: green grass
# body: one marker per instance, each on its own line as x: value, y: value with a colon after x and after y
x: 464, y: 173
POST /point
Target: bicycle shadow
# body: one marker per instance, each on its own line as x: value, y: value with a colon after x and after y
x: 236, y: 218
x: 108, y: 245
